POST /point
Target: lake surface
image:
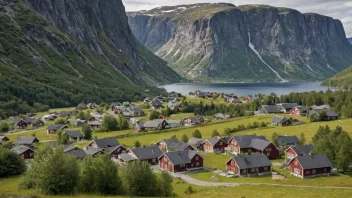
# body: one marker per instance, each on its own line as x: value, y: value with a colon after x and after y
x: 244, y: 89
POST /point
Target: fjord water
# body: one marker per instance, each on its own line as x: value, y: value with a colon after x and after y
x: 244, y: 89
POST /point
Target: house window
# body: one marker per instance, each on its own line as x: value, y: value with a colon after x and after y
x: 314, y: 171
x: 221, y: 143
x: 296, y: 163
x: 197, y: 158
x: 244, y: 171
x: 266, y: 168
x: 197, y: 164
x: 324, y: 169
x: 308, y: 171
x: 252, y: 169
x: 153, y: 160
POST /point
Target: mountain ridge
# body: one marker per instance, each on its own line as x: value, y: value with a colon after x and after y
x: 244, y: 43
x: 48, y: 58
x: 341, y: 80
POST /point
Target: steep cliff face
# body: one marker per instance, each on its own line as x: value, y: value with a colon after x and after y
x: 63, y: 52
x: 245, y: 43
x: 103, y: 27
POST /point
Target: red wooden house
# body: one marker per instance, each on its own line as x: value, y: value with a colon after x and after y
x: 181, y: 161
x: 24, y: 151
x: 249, y: 165
x: 108, y: 144
x: 255, y: 144
x: 214, y: 145
x: 300, y: 110
x: 54, y: 128
x: 299, y: 150
x: 173, y: 144
x: 3, y: 138
x: 308, y: 166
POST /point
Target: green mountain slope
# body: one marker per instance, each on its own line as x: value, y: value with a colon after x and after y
x: 40, y: 62
x: 343, y: 80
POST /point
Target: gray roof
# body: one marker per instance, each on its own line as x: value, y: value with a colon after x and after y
x: 79, y: 153
x: 302, y: 108
x: 213, y: 140
x: 175, y: 123
x: 36, y: 121
x: 126, y: 157
x: 147, y: 152
x: 180, y: 157
x: 194, y: 119
x: 111, y: 149
x: 271, y: 108
x: 176, y: 145
x: 56, y: 127
x: 314, y: 161
x: 94, y: 123
x: 76, y: 121
x: 279, y: 119
x: 329, y: 112
x: 315, y: 107
x: 68, y: 148
x: 194, y: 141
x: 21, y: 149
x: 154, y: 123
x: 74, y: 133
x: 27, y: 140
x: 135, y: 110
x: 107, y: 142
x: 303, y: 149
x: 289, y: 140
x: 252, y: 141
x: 288, y: 105
x: 93, y: 151
x: 14, y: 120
x: 251, y: 161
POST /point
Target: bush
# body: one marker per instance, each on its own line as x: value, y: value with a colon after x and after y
x: 154, y: 115
x: 109, y: 123
x: 5, y: 126
x: 189, y: 190
x: 60, y: 121
x: 10, y: 163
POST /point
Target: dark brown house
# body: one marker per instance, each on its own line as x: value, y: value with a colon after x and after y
x: 149, y: 154
x: 24, y: 151
x: 249, y: 165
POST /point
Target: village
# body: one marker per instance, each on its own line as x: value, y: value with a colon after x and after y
x: 241, y: 156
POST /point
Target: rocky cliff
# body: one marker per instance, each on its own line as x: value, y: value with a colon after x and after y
x: 62, y: 52
x: 244, y: 43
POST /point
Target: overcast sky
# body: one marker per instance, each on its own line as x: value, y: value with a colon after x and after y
x: 338, y: 9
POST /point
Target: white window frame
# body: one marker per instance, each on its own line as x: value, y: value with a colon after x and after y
x: 314, y: 171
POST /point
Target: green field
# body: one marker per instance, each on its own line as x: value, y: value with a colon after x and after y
x: 10, y: 186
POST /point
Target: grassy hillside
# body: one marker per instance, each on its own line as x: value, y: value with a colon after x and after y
x: 342, y: 79
x: 40, y: 63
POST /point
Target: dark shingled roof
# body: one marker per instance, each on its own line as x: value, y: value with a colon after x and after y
x: 279, y: 119
x: 288, y: 105
x: 303, y: 149
x: 271, y: 108
x: 252, y: 141
x: 79, y: 153
x: 107, y: 142
x: 213, y: 140
x: 126, y: 157
x: 194, y: 141
x: 180, y: 157
x: 74, y: 133
x: 288, y: 140
x: 20, y: 149
x: 56, y: 127
x: 174, y: 144
x: 147, y: 152
x: 27, y: 140
x: 329, y: 112
x: 36, y: 121
x: 251, y: 161
x: 68, y: 148
x: 93, y: 151
x: 314, y: 161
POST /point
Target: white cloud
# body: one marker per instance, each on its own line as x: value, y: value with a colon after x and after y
x: 338, y: 9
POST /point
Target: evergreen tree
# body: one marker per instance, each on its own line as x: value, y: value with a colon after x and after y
x: 137, y: 144
x: 215, y: 133
x: 184, y: 138
x: 65, y: 139
x: 59, y: 135
x: 52, y: 172
x: 197, y: 134
x: 87, y: 132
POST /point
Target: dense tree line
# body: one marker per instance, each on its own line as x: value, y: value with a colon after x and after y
x: 55, y: 173
x: 340, y: 101
x: 335, y: 144
x: 110, y: 123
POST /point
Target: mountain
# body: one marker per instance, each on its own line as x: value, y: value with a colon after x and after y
x: 342, y: 80
x: 349, y: 40
x: 62, y: 52
x: 222, y: 42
